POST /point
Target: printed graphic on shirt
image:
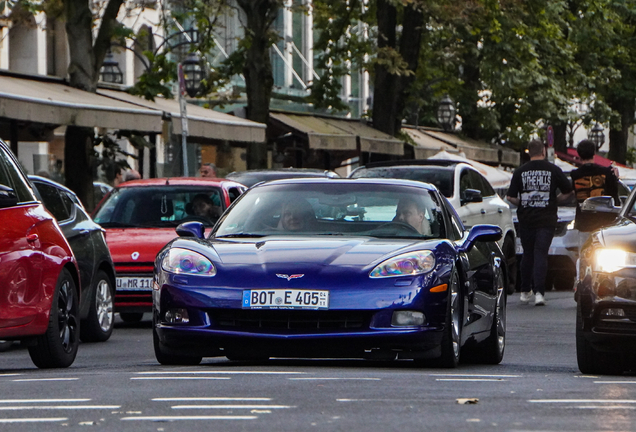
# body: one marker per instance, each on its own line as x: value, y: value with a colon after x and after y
x: 590, y: 186
x: 536, y: 188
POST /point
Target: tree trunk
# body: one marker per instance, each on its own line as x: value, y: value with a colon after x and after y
x: 85, y: 61
x: 385, y: 86
x: 619, y: 133
x: 79, y: 160
x: 259, y: 79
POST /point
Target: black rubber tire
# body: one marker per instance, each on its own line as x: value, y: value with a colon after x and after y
x: 591, y: 361
x: 57, y: 348
x: 491, y: 351
x: 131, y: 317
x: 452, y: 336
x: 510, y: 252
x: 170, y: 359
x: 99, y: 324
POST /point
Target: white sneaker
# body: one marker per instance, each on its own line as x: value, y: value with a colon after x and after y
x: 539, y: 300
x: 525, y: 297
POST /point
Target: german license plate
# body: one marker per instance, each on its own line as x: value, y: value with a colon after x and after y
x: 134, y: 283
x: 286, y: 299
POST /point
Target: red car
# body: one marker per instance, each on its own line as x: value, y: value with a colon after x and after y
x: 39, y: 278
x: 140, y: 218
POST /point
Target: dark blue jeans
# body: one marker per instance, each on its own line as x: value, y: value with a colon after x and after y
x: 534, y: 264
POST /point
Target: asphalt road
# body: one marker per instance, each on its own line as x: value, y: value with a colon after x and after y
x: 118, y: 385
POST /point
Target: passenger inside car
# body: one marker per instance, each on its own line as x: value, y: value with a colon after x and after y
x: 203, y: 206
x: 297, y: 215
x: 412, y: 212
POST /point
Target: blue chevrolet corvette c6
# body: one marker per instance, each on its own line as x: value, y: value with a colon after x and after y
x: 368, y: 268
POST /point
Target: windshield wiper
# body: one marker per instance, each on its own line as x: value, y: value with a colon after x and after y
x: 240, y: 235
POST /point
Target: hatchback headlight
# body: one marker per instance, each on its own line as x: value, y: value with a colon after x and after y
x: 611, y: 260
x: 184, y: 261
x: 408, y: 264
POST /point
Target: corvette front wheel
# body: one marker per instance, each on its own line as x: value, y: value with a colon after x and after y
x: 451, y: 338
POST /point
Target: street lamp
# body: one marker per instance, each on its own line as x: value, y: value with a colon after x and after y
x: 193, y: 74
x: 110, y: 71
x: 597, y: 136
x: 446, y: 113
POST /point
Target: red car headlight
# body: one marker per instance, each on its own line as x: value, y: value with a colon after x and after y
x: 408, y: 264
x: 184, y: 261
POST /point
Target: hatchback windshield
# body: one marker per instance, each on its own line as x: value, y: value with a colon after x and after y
x: 441, y: 177
x: 335, y: 209
x: 164, y: 206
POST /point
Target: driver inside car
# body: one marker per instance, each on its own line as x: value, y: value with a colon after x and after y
x: 297, y: 215
x: 203, y: 206
x: 412, y: 212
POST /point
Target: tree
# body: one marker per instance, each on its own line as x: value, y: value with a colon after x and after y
x: 86, y: 57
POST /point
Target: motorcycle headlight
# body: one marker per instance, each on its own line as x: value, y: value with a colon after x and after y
x: 408, y: 264
x: 184, y: 261
x: 611, y: 260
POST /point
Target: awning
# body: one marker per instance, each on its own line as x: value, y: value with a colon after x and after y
x: 330, y: 133
x: 473, y: 149
x: 426, y: 145
x: 202, y: 122
x: 55, y: 103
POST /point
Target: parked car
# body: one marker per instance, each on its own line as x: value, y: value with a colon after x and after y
x: 39, y: 299
x: 323, y: 268
x: 140, y: 216
x: 250, y: 177
x: 472, y: 196
x: 86, y: 238
x: 564, y: 249
x: 606, y: 290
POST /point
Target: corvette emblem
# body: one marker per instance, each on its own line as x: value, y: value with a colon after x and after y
x: 289, y: 277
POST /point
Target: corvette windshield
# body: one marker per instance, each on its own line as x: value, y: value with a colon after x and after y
x: 160, y: 206
x: 335, y: 209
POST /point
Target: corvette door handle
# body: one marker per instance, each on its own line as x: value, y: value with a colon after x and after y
x: 32, y: 237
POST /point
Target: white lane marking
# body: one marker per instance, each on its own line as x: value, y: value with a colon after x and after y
x: 614, y: 382
x: 208, y: 372
x: 476, y: 375
x: 610, y: 401
x: 232, y: 406
x: 33, y: 420
x: 472, y: 379
x: 57, y: 407
x: 193, y: 399
x: 173, y: 418
x: 3, y: 401
x: 179, y: 378
x: 381, y: 400
x: 44, y: 379
x: 334, y: 379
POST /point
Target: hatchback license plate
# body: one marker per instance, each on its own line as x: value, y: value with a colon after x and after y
x: 286, y: 299
x: 134, y: 283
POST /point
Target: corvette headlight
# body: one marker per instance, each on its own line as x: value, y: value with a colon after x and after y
x: 184, y: 261
x: 408, y: 264
x: 611, y: 260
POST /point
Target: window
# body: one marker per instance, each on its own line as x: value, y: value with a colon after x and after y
x: 11, y: 177
x: 53, y: 201
x: 486, y: 189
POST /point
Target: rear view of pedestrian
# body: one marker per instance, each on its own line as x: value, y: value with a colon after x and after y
x: 533, y: 189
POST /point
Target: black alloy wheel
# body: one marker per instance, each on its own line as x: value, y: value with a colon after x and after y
x: 99, y: 324
x: 57, y: 348
x: 451, y: 337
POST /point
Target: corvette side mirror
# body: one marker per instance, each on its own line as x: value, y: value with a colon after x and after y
x: 191, y: 229
x: 481, y: 233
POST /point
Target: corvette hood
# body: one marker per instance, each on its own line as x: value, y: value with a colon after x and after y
x: 357, y: 252
x: 144, y: 243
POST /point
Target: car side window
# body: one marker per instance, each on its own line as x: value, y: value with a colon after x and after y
x: 53, y: 201
x: 10, y: 177
x: 234, y: 193
x: 486, y: 189
x: 464, y: 181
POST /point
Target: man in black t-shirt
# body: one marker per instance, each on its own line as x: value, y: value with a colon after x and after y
x: 591, y: 180
x: 533, y: 189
